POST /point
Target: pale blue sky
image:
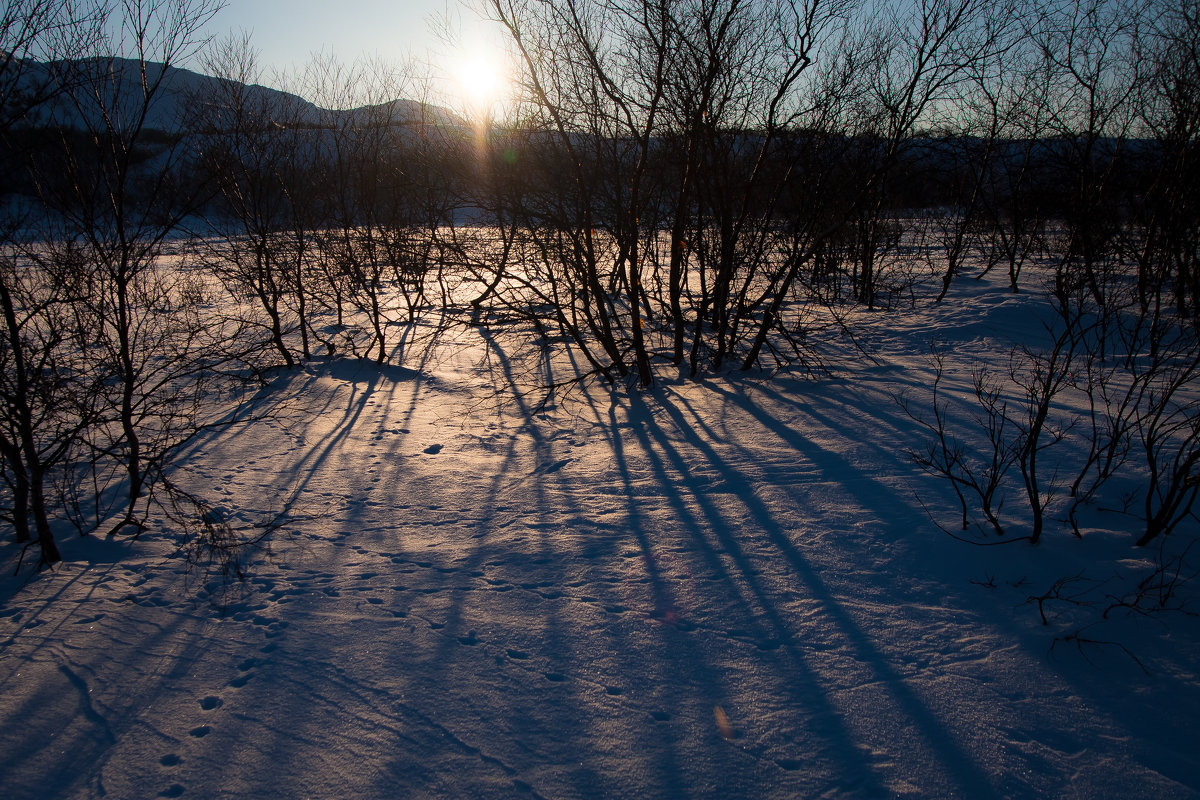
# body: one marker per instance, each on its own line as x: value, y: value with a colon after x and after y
x: 288, y: 32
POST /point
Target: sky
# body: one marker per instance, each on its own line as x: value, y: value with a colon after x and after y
x: 287, y: 33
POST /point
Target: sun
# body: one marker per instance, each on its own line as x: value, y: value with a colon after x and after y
x: 482, y: 81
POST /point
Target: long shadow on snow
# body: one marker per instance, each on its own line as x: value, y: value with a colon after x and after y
x: 60, y: 736
x: 856, y: 771
x: 365, y: 379
x: 1126, y: 709
x: 969, y: 780
x: 553, y: 645
x: 312, y: 701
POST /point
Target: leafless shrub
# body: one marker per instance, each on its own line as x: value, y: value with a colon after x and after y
x: 980, y: 476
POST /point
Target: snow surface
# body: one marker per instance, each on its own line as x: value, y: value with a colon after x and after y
x: 726, y: 588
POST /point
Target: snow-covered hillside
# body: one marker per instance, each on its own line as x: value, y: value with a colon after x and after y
x: 727, y: 588
x: 188, y: 99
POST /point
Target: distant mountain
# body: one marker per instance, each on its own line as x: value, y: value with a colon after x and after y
x: 187, y: 100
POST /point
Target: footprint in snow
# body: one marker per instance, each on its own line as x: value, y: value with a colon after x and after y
x: 210, y: 702
x: 433, y: 449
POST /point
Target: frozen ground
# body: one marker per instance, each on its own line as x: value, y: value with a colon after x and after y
x: 723, y: 589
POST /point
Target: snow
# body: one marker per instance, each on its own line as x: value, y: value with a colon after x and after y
x: 718, y: 588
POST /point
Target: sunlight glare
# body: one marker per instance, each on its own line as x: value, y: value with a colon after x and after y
x: 482, y: 82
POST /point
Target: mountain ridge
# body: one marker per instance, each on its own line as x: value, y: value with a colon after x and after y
x: 184, y: 99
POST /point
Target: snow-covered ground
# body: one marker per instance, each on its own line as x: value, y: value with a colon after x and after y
x: 726, y: 588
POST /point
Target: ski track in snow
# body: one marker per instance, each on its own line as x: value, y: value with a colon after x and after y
x: 722, y: 589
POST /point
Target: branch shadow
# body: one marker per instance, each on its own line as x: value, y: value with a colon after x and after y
x: 880, y: 500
